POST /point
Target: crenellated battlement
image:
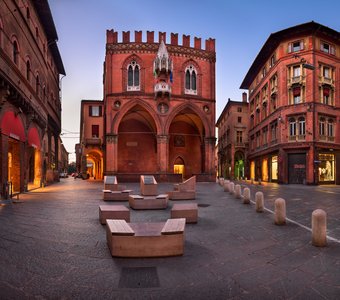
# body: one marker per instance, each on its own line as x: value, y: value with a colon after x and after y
x: 113, y: 38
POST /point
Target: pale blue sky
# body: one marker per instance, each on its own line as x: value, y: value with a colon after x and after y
x: 240, y: 28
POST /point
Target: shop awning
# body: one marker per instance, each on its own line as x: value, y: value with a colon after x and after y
x: 12, y: 126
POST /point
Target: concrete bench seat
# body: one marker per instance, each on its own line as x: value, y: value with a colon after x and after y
x: 148, y: 185
x: 156, y: 239
x: 113, y: 212
x: 151, y: 202
x: 185, y: 190
x: 123, y: 195
x: 111, y: 183
x: 189, y: 211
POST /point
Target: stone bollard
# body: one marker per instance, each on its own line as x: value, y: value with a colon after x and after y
x: 319, y: 227
x: 231, y: 187
x: 237, y: 191
x: 226, y: 186
x: 246, y: 196
x: 259, y: 202
x: 280, y: 211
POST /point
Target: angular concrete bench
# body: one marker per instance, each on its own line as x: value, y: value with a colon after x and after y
x: 148, y: 185
x: 145, y: 239
x: 109, y: 195
x: 185, y: 190
x: 189, y: 211
x: 157, y: 202
x: 119, y: 212
x: 111, y: 183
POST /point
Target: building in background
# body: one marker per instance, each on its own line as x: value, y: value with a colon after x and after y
x: 30, y: 106
x: 89, y: 154
x: 159, y: 109
x: 232, y: 147
x: 294, y: 105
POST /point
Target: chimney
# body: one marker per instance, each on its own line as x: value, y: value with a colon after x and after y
x: 244, y: 97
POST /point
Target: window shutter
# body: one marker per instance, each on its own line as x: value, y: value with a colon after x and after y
x: 90, y: 111
x: 100, y: 111
x: 332, y: 50
x: 289, y: 47
x: 301, y: 45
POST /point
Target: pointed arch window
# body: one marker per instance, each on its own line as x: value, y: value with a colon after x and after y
x: 133, y: 73
x: 28, y: 70
x: 37, y: 84
x: 15, y: 52
x: 191, y: 80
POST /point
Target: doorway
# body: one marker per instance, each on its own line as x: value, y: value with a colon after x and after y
x: 179, y: 166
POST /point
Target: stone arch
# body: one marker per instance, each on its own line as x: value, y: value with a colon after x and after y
x: 127, y: 107
x: 186, y: 131
x: 136, y: 129
x: 95, y: 170
x: 195, y: 109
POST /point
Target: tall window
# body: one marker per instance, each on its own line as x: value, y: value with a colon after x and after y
x: 273, y: 128
x: 326, y: 95
x: 292, y: 128
x: 15, y: 52
x: 296, y: 95
x: 28, y: 70
x: 191, y: 80
x: 302, y: 127
x: 330, y: 129
x: 133, y: 76
x: 296, y: 71
x: 95, y: 131
x: 37, y: 84
x: 238, y: 137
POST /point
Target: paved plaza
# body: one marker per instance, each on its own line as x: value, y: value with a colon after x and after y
x: 52, y: 246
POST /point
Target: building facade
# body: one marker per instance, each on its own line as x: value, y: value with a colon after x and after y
x: 159, y: 107
x: 294, y: 106
x: 90, y: 150
x: 232, y: 147
x: 30, y: 106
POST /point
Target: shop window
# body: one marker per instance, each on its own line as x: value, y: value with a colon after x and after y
x: 274, y: 168
x: 326, y: 167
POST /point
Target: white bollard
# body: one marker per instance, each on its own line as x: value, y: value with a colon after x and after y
x: 226, y: 185
x: 319, y: 228
x: 280, y: 211
x: 246, y: 196
x: 231, y: 187
x: 259, y: 202
x: 237, y: 191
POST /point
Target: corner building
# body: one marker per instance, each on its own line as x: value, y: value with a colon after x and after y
x: 159, y: 107
x: 294, y: 106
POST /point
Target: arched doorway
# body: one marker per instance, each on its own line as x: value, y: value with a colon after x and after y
x: 94, y: 164
x: 186, y: 136
x: 34, y: 158
x: 179, y: 166
x: 137, y: 142
x: 239, y: 165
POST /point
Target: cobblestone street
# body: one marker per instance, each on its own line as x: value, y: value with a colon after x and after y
x: 52, y: 246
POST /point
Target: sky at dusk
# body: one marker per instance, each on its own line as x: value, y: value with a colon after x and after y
x: 240, y: 28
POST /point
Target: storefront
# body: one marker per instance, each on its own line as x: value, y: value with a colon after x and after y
x: 326, y: 168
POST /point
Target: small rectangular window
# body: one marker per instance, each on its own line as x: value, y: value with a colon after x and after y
x: 95, y: 111
x: 239, y: 109
x: 239, y: 119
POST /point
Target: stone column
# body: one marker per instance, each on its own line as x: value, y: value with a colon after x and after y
x: 209, y: 147
x: 162, y: 153
x: 111, y: 155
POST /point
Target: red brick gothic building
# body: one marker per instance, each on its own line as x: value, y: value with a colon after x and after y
x: 294, y: 106
x: 159, y: 107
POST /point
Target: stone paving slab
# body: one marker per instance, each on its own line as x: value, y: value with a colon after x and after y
x: 52, y: 246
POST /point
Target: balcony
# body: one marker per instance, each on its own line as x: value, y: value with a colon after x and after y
x: 93, y: 141
x: 162, y: 88
x: 325, y: 80
x: 296, y: 80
